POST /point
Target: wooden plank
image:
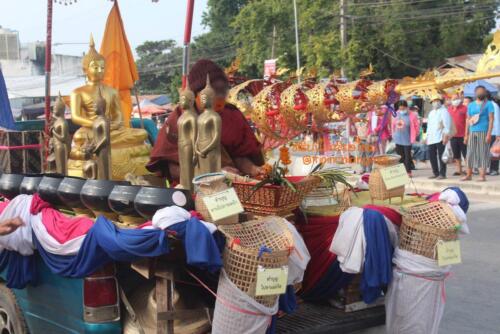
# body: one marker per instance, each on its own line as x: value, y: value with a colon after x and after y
x: 183, y: 314
x: 164, y: 298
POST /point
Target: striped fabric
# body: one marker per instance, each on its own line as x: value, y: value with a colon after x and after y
x: 478, y: 150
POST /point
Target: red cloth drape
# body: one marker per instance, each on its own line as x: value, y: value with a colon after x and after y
x: 318, y: 233
x: 395, y: 217
x: 59, y: 226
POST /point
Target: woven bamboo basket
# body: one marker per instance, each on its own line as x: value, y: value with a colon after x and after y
x: 274, y: 200
x: 208, y: 184
x: 241, y: 254
x: 343, y: 200
x: 376, y: 184
x: 424, y: 225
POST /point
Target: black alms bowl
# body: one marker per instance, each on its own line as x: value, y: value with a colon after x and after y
x: 151, y: 199
x: 95, y: 193
x: 47, y: 189
x: 121, y: 200
x: 9, y: 185
x: 69, y: 192
x: 30, y: 183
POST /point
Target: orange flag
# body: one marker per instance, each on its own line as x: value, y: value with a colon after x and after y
x: 121, y: 72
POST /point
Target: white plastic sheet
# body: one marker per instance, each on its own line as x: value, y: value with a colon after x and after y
x: 416, y: 297
x: 236, y: 312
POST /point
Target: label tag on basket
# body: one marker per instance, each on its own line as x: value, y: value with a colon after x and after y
x: 271, y: 281
x: 223, y: 204
x: 448, y: 252
x: 394, y: 176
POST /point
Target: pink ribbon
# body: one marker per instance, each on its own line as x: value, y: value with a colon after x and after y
x: 22, y: 147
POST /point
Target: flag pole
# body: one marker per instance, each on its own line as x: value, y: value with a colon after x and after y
x: 187, y: 41
x: 48, y: 64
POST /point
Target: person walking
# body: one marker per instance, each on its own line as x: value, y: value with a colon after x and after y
x: 495, y: 132
x: 480, y: 116
x: 458, y: 113
x: 438, y: 130
x: 379, y: 134
x: 405, y: 128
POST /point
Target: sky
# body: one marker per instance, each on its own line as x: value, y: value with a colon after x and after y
x: 143, y: 19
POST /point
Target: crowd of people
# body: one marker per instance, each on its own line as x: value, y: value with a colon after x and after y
x: 457, y: 128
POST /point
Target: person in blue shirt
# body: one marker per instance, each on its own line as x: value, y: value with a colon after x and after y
x: 478, y: 131
x: 495, y: 133
x: 439, y: 125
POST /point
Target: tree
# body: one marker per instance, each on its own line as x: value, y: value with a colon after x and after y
x: 398, y: 37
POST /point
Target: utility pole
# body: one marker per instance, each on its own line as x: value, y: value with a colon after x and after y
x: 274, y: 42
x: 297, y: 39
x: 343, y: 31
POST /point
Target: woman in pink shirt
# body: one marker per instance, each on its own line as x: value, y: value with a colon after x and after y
x: 375, y: 119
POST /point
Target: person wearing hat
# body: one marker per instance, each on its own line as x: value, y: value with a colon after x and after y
x: 241, y: 153
x: 439, y: 126
x: 478, y: 132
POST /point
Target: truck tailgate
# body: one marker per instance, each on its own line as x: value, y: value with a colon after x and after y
x: 323, y: 319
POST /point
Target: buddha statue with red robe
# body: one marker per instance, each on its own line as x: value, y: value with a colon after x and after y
x: 241, y: 151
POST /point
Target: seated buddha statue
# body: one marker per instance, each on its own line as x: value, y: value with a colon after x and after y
x: 129, y: 151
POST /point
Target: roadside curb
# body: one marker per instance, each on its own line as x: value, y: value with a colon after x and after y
x: 491, y: 190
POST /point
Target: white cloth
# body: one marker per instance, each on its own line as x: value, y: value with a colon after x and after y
x: 51, y: 245
x: 349, y: 241
x: 451, y: 197
x: 21, y: 239
x: 170, y: 215
x: 232, y: 308
x: 393, y: 232
x: 438, y: 124
x: 374, y: 123
x: 361, y: 184
x: 415, y: 298
x: 299, y: 257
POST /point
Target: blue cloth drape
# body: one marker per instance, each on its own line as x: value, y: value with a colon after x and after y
x: 105, y: 243
x: 21, y: 270
x: 328, y: 286
x: 201, y: 248
x: 377, y: 272
x: 6, y: 118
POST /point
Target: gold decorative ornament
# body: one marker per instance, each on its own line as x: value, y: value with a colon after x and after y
x: 242, y: 95
x: 351, y: 95
x: 266, y: 108
x: 322, y: 101
x: 491, y: 57
x: 378, y: 92
x: 129, y: 153
x: 293, y: 107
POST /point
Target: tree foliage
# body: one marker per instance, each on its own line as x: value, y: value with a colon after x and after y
x: 397, y: 37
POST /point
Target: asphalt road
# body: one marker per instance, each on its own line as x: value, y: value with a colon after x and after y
x: 473, y: 291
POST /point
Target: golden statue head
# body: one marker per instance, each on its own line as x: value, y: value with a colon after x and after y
x: 186, y: 98
x: 93, y: 63
x: 100, y: 105
x: 207, y: 95
x: 59, y: 107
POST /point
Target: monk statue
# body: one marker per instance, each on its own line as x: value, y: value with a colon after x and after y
x: 186, y: 127
x: 90, y: 171
x: 129, y: 152
x: 208, y: 141
x: 60, y: 137
x: 102, y: 140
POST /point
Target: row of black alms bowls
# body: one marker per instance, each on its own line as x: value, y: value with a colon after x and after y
x: 97, y: 195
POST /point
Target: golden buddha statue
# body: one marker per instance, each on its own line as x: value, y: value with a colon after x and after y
x: 186, y: 128
x: 129, y: 152
x: 60, y: 137
x: 208, y: 145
